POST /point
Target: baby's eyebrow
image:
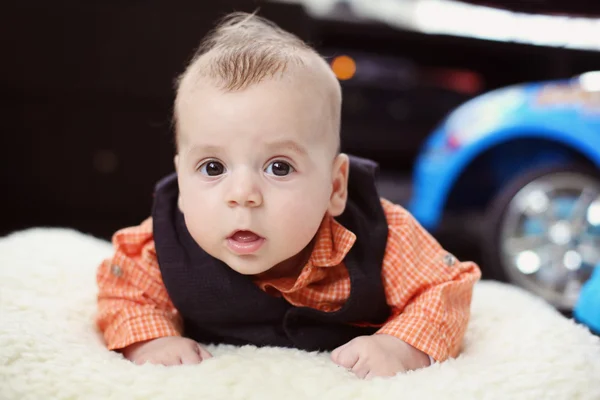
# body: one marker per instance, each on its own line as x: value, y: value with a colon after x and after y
x: 288, y: 145
x: 205, y: 149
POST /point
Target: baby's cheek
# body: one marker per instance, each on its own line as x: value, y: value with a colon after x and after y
x: 202, y: 221
x: 301, y: 219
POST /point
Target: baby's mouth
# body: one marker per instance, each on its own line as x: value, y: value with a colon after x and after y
x: 244, y: 236
x: 244, y: 242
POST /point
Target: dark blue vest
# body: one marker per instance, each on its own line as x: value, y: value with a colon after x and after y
x: 219, y: 305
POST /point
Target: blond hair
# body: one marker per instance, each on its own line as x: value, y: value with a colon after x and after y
x: 243, y: 50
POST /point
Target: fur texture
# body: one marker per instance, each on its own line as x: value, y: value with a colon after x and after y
x: 516, y: 347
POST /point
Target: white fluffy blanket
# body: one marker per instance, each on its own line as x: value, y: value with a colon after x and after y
x: 517, y: 347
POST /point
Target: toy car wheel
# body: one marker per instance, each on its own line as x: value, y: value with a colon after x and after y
x: 543, y: 232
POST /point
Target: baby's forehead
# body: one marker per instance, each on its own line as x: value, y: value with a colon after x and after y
x: 311, y: 83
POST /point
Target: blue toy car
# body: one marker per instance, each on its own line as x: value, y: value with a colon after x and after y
x: 521, y: 165
x: 587, y: 309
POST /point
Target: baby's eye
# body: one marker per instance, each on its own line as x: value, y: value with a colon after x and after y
x: 212, y: 168
x: 279, y: 168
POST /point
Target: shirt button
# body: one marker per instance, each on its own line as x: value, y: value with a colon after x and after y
x: 116, y: 270
x: 449, y: 259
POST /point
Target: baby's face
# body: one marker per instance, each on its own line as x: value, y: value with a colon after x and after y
x: 255, y: 170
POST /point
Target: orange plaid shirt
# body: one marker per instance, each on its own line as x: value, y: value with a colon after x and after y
x: 428, y: 291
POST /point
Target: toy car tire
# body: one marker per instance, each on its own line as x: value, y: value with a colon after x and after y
x: 502, y: 209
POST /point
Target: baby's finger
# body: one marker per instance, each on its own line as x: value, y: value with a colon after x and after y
x: 361, y: 368
x: 347, y: 357
x: 170, y: 359
x: 203, y: 353
x: 190, y: 357
x: 336, y: 352
x: 140, y: 360
x: 158, y: 360
x: 370, y: 376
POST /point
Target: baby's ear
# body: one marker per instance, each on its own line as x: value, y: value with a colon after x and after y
x: 176, y: 162
x: 339, y: 180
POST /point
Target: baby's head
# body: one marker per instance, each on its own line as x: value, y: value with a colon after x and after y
x: 257, y: 120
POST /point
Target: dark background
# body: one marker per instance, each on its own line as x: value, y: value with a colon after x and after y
x: 86, y: 91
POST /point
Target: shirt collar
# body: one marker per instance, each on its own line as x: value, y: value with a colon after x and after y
x: 332, y: 243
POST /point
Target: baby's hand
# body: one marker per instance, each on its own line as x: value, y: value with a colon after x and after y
x: 379, y: 355
x: 169, y: 350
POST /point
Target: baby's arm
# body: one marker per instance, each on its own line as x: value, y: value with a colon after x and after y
x: 135, y: 313
x: 429, y: 292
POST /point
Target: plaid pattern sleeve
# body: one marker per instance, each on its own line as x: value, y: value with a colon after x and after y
x: 133, y: 304
x: 428, y: 289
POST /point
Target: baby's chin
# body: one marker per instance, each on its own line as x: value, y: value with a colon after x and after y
x: 248, y: 264
x: 261, y: 267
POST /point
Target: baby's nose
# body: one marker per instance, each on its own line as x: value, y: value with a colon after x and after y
x: 244, y: 192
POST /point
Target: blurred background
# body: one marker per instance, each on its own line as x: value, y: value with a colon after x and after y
x: 86, y: 90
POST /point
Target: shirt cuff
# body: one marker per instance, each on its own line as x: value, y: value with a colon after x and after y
x: 420, y: 333
x: 130, y: 330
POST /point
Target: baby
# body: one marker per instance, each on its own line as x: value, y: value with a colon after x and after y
x: 268, y: 235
